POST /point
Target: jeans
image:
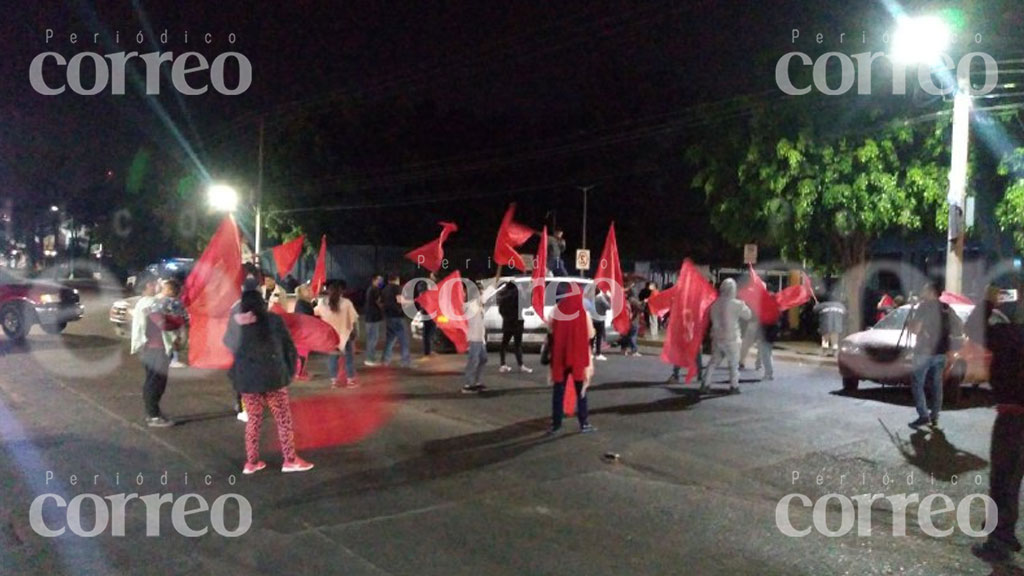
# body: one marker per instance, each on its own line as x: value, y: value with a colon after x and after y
x: 396, y: 331
x: 629, y: 340
x: 156, y: 361
x: 1007, y: 459
x: 598, y: 336
x: 730, y: 352
x: 372, y: 338
x: 922, y: 367
x: 350, y: 362
x: 764, y: 356
x: 429, y: 329
x: 512, y: 331
x: 475, y: 362
x: 558, y: 404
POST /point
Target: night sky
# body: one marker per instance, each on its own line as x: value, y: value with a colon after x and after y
x: 470, y: 105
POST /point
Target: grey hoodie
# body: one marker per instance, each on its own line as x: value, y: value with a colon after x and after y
x: 726, y: 313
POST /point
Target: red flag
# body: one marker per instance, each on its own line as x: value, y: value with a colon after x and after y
x: 511, y: 235
x: 609, y: 274
x: 661, y: 303
x: 213, y: 286
x: 320, y: 272
x: 310, y: 333
x: 446, y: 305
x: 431, y: 254
x: 795, y: 295
x: 540, y: 272
x: 954, y: 298
x: 762, y: 303
x: 286, y: 255
x: 689, y: 319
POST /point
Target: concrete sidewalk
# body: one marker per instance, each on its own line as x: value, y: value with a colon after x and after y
x: 786, y: 351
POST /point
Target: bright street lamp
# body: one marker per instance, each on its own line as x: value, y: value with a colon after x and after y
x: 54, y: 209
x: 222, y: 198
x: 920, y: 40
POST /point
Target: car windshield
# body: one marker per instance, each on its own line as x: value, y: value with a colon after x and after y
x: 894, y: 320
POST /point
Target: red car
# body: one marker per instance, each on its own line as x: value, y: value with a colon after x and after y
x: 24, y: 303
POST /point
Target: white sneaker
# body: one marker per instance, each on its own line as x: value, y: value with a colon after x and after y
x: 526, y: 369
x: 370, y: 363
x: 177, y: 364
x: 243, y: 417
x: 600, y: 357
x: 505, y: 369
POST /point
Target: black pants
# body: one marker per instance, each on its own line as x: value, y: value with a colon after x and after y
x: 1007, y: 471
x: 512, y: 330
x: 558, y: 401
x: 598, y: 336
x: 156, y: 361
x: 429, y: 328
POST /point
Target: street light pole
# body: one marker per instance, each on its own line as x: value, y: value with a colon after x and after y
x: 957, y: 197
x: 584, y: 189
x: 259, y: 200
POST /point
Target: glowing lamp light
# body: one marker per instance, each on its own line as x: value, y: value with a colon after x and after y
x: 920, y: 40
x: 222, y: 198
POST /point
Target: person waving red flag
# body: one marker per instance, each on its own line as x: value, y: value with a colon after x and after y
x: 446, y: 305
x: 540, y: 272
x: 286, y: 255
x: 511, y: 235
x: 688, y: 320
x: 609, y: 275
x: 431, y: 254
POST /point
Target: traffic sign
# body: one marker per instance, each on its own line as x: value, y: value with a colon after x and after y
x: 750, y: 254
x: 583, y: 259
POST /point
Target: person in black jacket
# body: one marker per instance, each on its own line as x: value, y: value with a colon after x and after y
x: 1006, y: 375
x: 264, y: 360
x: 510, y: 308
x: 373, y: 317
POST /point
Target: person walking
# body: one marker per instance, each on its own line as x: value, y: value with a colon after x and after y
x: 930, y: 323
x: 373, y: 319
x: 394, y: 320
x: 1006, y: 373
x: 264, y: 358
x: 149, y: 324
x: 726, y: 336
x: 429, y: 325
x: 602, y: 305
x: 476, y: 336
x: 341, y: 314
x: 510, y: 309
x: 628, y: 342
x: 571, y: 331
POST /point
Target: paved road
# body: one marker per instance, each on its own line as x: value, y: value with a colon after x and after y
x: 455, y: 484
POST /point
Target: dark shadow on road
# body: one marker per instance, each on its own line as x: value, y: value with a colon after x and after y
x: 970, y: 397
x: 441, y: 459
x: 682, y: 401
x: 47, y: 343
x: 931, y: 452
x: 182, y: 420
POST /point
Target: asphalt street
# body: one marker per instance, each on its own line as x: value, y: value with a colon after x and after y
x: 451, y: 484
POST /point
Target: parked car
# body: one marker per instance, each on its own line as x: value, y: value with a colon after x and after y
x: 885, y: 354
x: 25, y: 303
x: 121, y: 310
x: 534, y: 328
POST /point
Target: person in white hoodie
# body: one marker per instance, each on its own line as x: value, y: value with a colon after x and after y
x: 476, y: 335
x: 149, y: 324
x: 726, y: 335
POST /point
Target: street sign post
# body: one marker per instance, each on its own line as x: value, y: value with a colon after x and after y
x: 750, y: 254
x: 583, y: 260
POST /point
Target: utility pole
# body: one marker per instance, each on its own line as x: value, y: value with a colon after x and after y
x: 584, y: 189
x: 259, y: 199
x: 957, y: 197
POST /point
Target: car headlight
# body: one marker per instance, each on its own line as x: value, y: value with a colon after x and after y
x: 49, y: 298
x: 849, y: 348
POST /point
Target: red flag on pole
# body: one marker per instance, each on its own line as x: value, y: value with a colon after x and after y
x: 320, y: 272
x: 756, y: 295
x: 213, y: 286
x: 609, y: 274
x: 689, y: 319
x: 795, y: 295
x: 540, y: 272
x: 431, y: 254
x: 661, y: 303
x: 511, y: 235
x: 446, y: 305
x: 286, y: 255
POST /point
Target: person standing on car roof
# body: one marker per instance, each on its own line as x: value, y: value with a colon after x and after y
x: 148, y: 326
x: 930, y: 323
x: 511, y: 309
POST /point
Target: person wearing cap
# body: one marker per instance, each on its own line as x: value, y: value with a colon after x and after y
x: 149, y: 323
x: 571, y: 332
x: 264, y: 362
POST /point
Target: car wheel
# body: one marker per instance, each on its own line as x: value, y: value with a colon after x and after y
x: 850, y: 384
x: 54, y: 328
x: 12, y: 318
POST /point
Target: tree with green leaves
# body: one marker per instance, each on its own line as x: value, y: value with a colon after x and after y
x: 1010, y: 211
x: 793, y: 180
